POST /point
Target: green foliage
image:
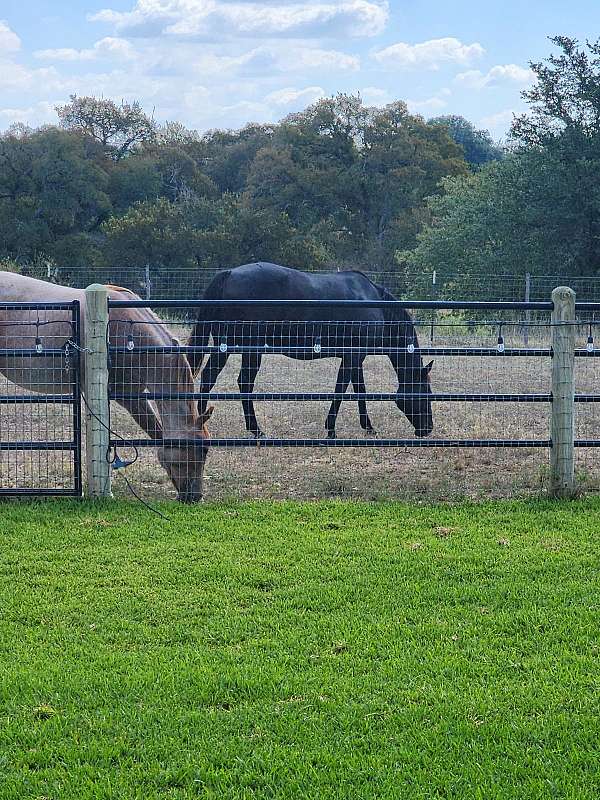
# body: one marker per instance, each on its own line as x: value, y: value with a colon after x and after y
x: 338, y: 184
x: 322, y: 651
x: 52, y: 185
x: 479, y: 147
x: 119, y: 129
x: 205, y: 233
x: 565, y: 98
x: 538, y: 210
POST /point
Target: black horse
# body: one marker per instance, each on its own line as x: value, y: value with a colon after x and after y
x: 302, y: 333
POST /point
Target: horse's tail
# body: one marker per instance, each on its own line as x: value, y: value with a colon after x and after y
x: 204, y: 320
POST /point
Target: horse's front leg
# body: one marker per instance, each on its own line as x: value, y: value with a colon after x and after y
x: 144, y: 415
x: 208, y: 377
x: 358, y: 382
x: 341, y: 384
x: 248, y: 372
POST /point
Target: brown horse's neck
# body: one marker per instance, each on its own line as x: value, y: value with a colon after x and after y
x: 160, y: 372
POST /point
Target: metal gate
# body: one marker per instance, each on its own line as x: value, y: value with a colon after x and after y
x: 40, y: 430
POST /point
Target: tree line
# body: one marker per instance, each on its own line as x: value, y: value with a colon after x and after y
x: 336, y: 186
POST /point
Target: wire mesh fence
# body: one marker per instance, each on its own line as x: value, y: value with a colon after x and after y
x: 156, y: 282
x: 40, y: 413
x: 476, y: 423
x: 303, y: 408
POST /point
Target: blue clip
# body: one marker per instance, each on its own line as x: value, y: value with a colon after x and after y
x: 118, y: 463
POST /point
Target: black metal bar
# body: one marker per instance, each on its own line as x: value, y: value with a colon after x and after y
x: 587, y: 398
x: 76, y: 405
x: 334, y: 352
x: 32, y: 399
x: 439, y: 304
x: 38, y: 492
x: 353, y: 396
x: 37, y: 446
x: 260, y: 443
x: 26, y: 351
x: 581, y: 353
x: 10, y: 306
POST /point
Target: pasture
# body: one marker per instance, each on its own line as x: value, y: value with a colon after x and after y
x: 289, y: 650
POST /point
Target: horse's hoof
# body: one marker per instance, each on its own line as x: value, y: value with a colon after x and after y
x: 258, y: 434
x: 331, y: 435
x: 371, y: 432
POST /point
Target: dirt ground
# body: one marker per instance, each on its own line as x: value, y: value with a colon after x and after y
x: 415, y: 473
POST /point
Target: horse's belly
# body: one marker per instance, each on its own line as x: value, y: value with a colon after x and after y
x: 43, y: 377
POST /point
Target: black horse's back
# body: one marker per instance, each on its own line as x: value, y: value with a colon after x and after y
x: 263, y: 280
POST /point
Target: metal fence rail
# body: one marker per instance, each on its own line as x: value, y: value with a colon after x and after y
x: 40, y: 430
x: 154, y: 281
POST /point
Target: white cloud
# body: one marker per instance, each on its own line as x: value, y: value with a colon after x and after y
x: 109, y: 48
x: 36, y: 114
x: 207, y: 19
x: 373, y: 96
x: 498, y: 124
x: 428, y: 54
x: 295, y: 97
x: 9, y: 41
x: 502, y: 73
x: 431, y: 104
x: 269, y: 60
x: 196, y: 97
x: 16, y: 77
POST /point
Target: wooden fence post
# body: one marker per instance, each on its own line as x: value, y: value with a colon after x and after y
x: 96, y: 391
x: 562, y: 457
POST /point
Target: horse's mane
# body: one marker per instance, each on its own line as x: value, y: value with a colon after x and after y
x: 121, y: 289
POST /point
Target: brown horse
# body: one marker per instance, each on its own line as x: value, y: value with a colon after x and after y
x: 131, y: 372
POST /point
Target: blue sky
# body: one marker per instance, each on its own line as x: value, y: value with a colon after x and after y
x: 223, y: 63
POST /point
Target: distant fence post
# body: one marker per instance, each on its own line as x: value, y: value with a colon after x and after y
x: 527, y: 313
x: 96, y: 391
x: 562, y: 457
x: 148, y: 282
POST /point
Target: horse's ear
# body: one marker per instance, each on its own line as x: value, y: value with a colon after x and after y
x: 427, y: 368
x: 205, y: 416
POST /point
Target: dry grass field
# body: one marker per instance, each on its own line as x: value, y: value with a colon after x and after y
x: 361, y: 473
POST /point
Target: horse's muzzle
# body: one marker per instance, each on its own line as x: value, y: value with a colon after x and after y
x: 189, y: 497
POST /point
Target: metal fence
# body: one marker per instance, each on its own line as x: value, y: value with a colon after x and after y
x: 154, y: 282
x: 487, y: 395
x: 40, y: 399
x: 310, y: 408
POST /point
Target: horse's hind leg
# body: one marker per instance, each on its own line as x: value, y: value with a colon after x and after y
x: 246, y: 378
x: 358, y: 382
x: 343, y: 379
x: 209, y: 375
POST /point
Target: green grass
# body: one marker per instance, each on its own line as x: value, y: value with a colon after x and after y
x: 326, y: 650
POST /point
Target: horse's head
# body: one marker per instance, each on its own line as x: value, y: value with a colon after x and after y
x: 184, y: 463
x: 414, y: 396
x: 414, y: 388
